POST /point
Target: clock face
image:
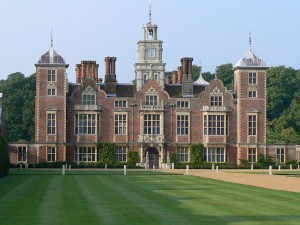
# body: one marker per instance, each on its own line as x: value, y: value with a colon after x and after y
x: 150, y: 53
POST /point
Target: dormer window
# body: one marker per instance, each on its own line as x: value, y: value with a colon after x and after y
x: 182, y: 104
x: 88, y: 99
x: 89, y: 96
x: 151, y: 99
x: 120, y: 104
x: 216, y: 100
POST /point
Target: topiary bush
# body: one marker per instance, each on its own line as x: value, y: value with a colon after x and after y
x: 4, y: 158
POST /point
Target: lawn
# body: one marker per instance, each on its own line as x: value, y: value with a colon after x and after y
x: 40, y: 197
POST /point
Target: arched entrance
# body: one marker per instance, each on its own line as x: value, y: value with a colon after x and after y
x: 153, y: 157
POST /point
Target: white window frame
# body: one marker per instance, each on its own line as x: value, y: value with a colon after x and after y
x: 145, y: 78
x: 86, y: 123
x: 183, y: 154
x: 252, y: 94
x: 120, y: 154
x: 88, y: 99
x: 252, y: 78
x: 120, y: 104
x: 51, y: 77
x: 120, y: 123
x: 152, y: 124
x: 215, y: 155
x: 86, y: 154
x: 51, y: 154
x: 51, y: 91
x: 151, y: 99
x: 183, y: 104
x: 22, y: 153
x: 183, y: 124
x: 51, y: 122
x: 252, y: 124
x: 216, y: 100
x: 280, y: 154
x: 215, y: 124
x: 252, y: 155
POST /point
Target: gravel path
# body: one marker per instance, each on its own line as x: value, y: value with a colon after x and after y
x: 276, y: 182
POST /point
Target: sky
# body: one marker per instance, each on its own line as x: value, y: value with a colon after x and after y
x: 213, y: 32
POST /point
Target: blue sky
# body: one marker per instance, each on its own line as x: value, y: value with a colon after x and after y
x: 213, y: 32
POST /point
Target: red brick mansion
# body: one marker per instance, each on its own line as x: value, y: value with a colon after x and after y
x: 156, y: 116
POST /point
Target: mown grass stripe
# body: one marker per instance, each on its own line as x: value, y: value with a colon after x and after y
x: 140, y: 199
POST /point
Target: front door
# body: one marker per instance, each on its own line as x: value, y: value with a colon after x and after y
x: 153, y: 158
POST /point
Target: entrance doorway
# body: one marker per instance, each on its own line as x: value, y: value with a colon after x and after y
x: 153, y: 157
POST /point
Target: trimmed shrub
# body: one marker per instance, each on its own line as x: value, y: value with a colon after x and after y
x: 133, y: 158
x: 107, y: 152
x: 196, y: 151
x: 4, y: 158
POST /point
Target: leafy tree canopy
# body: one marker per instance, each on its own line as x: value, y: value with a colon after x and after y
x: 18, y: 106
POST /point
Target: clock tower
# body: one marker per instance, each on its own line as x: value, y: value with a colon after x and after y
x: 149, y: 65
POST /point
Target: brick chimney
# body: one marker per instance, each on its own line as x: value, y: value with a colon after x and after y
x: 179, y: 81
x: 87, y: 69
x: 187, y: 79
x: 167, y: 80
x: 174, y: 77
x: 110, y: 75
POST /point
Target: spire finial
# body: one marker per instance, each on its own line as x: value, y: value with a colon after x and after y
x: 51, y: 37
x: 250, y: 41
x: 150, y: 6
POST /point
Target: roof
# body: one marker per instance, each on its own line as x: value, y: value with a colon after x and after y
x: 51, y: 57
x: 250, y: 60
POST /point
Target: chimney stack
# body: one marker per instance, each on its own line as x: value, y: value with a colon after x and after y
x: 86, y: 69
x: 174, y: 77
x: 179, y: 75
x: 187, y: 79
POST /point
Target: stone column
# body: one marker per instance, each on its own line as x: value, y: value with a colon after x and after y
x: 141, y: 153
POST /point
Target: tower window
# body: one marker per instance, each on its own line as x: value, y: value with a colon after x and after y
x: 252, y: 120
x: 252, y: 78
x: 252, y: 94
x: 51, y: 123
x: 51, y: 91
x: 51, y: 75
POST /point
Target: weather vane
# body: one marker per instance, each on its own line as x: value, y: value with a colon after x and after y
x: 150, y: 6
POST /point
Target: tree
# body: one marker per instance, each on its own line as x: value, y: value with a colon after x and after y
x: 4, y: 158
x: 225, y: 73
x: 107, y: 152
x: 133, y: 158
x: 196, y: 154
x: 282, y: 83
x: 18, y: 106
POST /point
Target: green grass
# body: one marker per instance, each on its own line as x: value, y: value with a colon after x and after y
x: 41, y: 197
